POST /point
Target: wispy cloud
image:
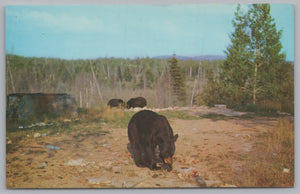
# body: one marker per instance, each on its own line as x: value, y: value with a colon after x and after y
x: 60, y: 22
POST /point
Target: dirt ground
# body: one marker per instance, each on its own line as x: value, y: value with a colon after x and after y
x: 206, y: 151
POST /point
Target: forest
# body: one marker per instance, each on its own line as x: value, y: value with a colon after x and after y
x: 93, y: 82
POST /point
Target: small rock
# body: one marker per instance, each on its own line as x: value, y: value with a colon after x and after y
x: 282, y: 113
x: 41, y: 124
x: 9, y: 142
x: 99, y: 181
x: 42, y: 166
x: 79, y: 162
x: 52, y: 147
x: 200, y: 181
x: 44, y: 135
x: 94, y: 180
x: 116, y: 168
x: 275, y: 154
x: 106, y: 164
x: 155, y: 176
x: 286, y: 170
x: 107, y: 146
x: 35, y: 135
x: 21, y: 127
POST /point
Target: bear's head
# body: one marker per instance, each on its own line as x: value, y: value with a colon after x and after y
x: 167, y: 151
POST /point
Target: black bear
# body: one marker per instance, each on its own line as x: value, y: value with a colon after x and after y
x: 148, y: 131
x: 116, y: 103
x: 136, y: 102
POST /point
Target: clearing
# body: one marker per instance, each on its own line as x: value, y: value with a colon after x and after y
x: 95, y: 154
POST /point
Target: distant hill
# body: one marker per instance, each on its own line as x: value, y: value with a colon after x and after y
x: 197, y: 58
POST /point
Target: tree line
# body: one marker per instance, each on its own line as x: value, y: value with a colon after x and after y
x: 94, y: 82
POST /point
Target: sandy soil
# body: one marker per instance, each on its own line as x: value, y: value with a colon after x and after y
x: 206, y: 150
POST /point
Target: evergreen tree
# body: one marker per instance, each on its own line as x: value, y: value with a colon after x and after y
x: 266, y: 47
x: 120, y: 73
x: 149, y: 77
x: 236, y: 69
x: 127, y: 74
x: 177, y: 80
x: 254, y: 55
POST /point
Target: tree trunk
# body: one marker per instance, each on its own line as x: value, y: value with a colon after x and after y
x: 80, y: 99
x: 198, y: 77
x: 193, y: 93
x: 108, y: 74
x: 11, y: 79
x: 95, y: 80
x: 255, y: 83
x: 145, y: 81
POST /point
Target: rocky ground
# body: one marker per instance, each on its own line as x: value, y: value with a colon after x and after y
x: 209, y: 153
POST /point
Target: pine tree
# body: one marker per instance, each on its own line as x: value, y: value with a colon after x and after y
x: 236, y: 70
x: 266, y: 47
x: 254, y: 55
x: 127, y: 74
x: 177, y: 80
x: 120, y: 73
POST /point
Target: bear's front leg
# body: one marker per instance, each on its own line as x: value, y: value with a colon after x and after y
x: 153, y: 166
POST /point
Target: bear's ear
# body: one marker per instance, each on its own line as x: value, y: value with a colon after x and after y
x: 175, y: 137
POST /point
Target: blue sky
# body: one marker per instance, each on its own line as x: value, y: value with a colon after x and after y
x: 92, y: 31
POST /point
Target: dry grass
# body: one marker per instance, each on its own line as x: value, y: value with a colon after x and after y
x: 116, y: 117
x: 284, y: 106
x: 112, y: 114
x: 271, y: 164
